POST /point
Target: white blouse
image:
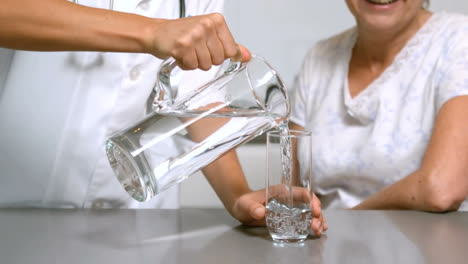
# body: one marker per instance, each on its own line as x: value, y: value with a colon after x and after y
x: 362, y: 144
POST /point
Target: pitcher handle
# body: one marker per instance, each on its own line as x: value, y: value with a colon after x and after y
x: 165, y: 89
x: 161, y: 96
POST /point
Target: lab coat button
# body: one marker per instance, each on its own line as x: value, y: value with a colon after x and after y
x: 135, y: 73
x: 351, y: 113
x: 144, y: 5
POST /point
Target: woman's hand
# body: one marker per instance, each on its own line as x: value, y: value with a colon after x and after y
x: 195, y: 42
x: 250, y: 210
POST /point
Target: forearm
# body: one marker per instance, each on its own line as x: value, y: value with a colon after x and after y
x: 225, y: 173
x: 403, y: 194
x: 417, y: 191
x: 227, y: 179
x: 440, y: 184
x: 56, y: 25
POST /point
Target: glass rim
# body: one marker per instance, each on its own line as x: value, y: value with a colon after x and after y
x: 292, y: 133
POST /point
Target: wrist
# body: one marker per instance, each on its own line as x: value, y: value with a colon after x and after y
x: 233, y: 203
x: 148, y: 37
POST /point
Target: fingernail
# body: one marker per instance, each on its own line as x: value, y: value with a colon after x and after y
x: 258, y: 212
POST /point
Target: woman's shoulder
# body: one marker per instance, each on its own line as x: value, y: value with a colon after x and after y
x: 332, y: 46
x: 452, y: 24
x: 453, y: 18
x: 451, y: 29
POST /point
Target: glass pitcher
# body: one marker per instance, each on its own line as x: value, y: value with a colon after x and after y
x: 187, y: 131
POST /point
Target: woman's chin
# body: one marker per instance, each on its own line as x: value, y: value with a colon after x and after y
x: 382, y: 15
x: 379, y: 23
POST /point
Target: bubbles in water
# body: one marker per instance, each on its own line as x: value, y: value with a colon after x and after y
x: 284, y: 222
x: 286, y: 158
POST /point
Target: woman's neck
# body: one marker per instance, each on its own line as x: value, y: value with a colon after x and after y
x: 378, y: 48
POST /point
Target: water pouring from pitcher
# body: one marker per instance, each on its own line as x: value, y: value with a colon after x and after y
x: 186, y: 131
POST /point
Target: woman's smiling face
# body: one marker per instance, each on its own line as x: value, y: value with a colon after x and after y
x: 384, y: 15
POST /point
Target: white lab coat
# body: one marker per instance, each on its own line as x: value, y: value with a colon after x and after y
x: 57, y: 109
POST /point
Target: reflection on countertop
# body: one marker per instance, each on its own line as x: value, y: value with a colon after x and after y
x: 213, y: 236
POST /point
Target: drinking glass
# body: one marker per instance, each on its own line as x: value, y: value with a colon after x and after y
x: 288, y: 185
x: 188, y: 130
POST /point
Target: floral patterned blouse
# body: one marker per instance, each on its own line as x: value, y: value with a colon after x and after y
x: 364, y: 143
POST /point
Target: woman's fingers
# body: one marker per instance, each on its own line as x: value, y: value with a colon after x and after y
x: 249, y: 208
x: 318, y: 224
x: 317, y: 206
x: 302, y: 195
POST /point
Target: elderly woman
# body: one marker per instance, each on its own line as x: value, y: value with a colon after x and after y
x: 386, y: 103
x: 387, y: 107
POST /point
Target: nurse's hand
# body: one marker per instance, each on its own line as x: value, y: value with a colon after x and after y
x: 195, y: 42
x: 249, y: 209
